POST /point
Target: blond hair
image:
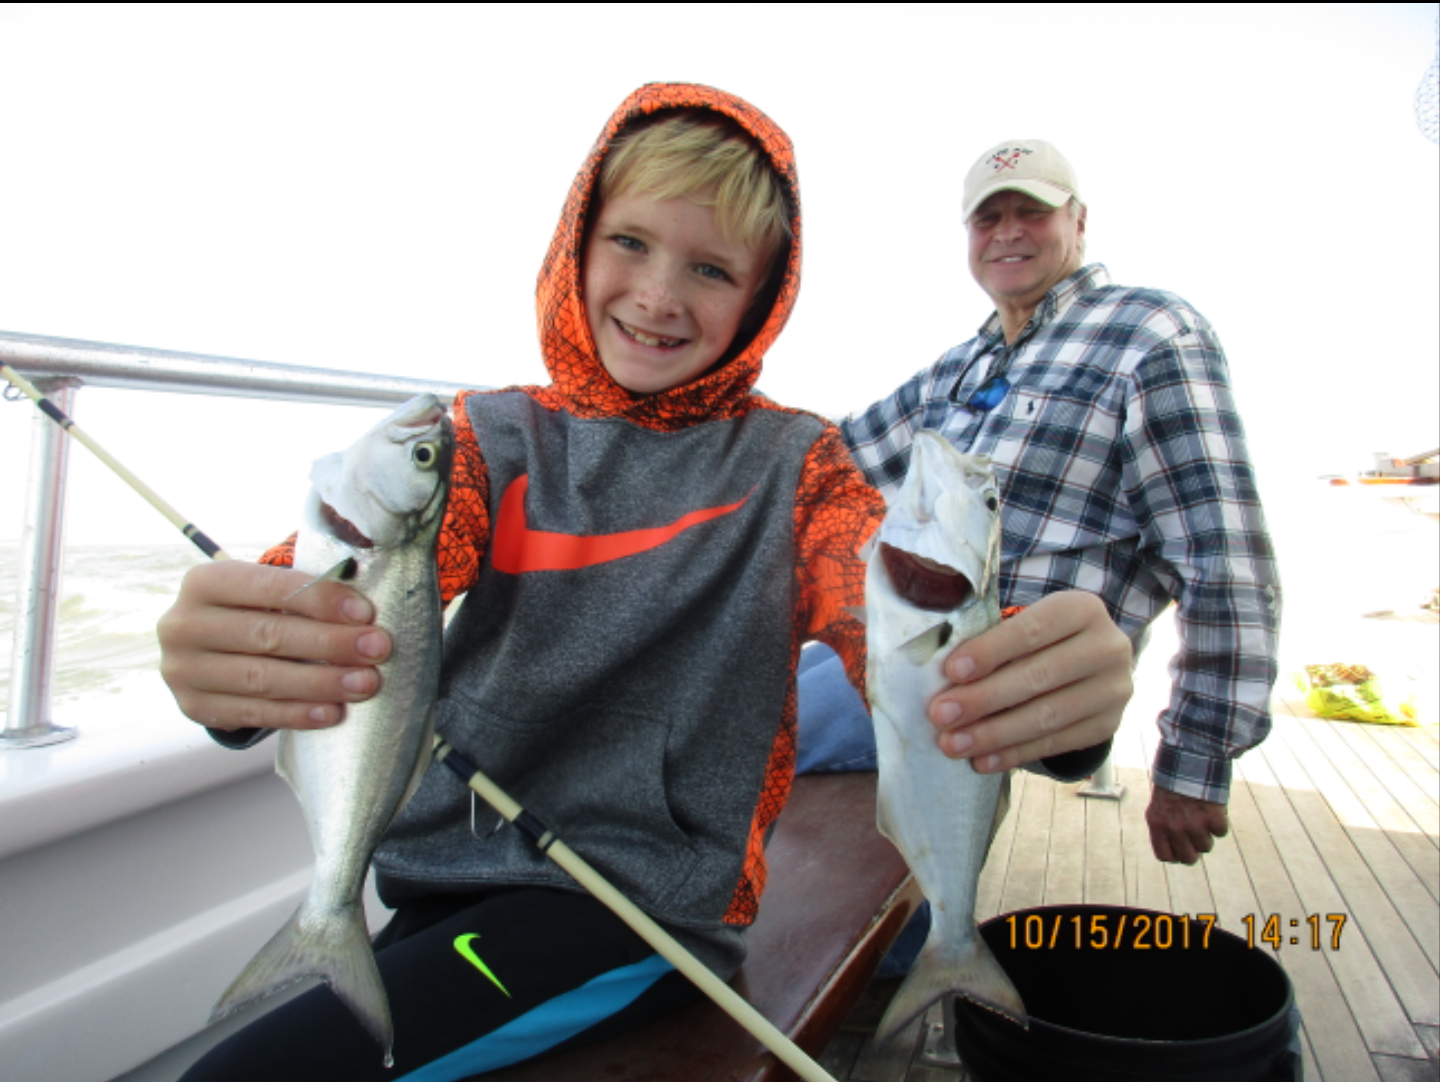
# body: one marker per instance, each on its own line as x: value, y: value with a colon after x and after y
x: 709, y: 161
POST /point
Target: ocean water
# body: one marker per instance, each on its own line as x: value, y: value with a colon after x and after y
x: 110, y: 599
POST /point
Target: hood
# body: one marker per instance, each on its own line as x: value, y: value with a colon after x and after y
x: 579, y: 377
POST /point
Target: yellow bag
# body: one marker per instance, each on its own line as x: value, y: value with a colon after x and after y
x: 1351, y: 693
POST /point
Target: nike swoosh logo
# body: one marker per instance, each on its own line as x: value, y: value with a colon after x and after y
x: 462, y: 945
x: 517, y: 549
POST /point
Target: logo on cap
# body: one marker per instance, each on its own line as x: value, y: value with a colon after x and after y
x: 1007, y: 158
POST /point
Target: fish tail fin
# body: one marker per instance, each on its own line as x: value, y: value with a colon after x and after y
x: 334, y: 948
x: 966, y: 969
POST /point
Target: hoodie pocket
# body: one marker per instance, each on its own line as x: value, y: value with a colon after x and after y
x: 597, y: 777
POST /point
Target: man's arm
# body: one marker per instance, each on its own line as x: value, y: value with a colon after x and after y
x: 1192, y: 490
x: 879, y: 436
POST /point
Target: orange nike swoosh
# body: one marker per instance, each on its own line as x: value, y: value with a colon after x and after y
x: 517, y: 549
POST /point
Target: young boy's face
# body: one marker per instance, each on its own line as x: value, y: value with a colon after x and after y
x: 664, y: 291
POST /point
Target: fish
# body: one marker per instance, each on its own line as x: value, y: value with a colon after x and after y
x: 932, y: 582
x: 372, y: 516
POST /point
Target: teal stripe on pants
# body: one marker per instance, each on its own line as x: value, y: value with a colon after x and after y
x: 548, y: 1025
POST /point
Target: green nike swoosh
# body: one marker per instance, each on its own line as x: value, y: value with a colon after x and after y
x: 462, y: 945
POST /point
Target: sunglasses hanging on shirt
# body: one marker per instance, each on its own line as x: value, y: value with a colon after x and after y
x: 988, y: 395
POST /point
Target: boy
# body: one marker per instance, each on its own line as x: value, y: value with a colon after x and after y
x: 641, y: 698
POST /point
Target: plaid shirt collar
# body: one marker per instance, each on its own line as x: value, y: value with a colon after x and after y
x: 1054, y: 305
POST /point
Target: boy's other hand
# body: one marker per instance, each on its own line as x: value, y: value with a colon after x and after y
x: 1051, y: 679
x: 238, y: 651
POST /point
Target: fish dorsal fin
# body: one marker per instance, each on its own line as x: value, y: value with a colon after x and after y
x: 923, y: 647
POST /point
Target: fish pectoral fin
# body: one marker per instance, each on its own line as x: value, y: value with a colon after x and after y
x: 885, y: 819
x: 857, y: 611
x: 286, y: 766
x: 923, y: 647
x: 344, y: 571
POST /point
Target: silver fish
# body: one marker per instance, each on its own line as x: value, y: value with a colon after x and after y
x: 379, y: 504
x: 931, y: 583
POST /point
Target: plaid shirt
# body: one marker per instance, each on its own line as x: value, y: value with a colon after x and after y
x: 1124, y: 472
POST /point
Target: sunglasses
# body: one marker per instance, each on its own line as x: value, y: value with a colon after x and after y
x: 988, y: 395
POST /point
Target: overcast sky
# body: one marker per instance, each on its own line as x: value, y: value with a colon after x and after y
x: 373, y: 188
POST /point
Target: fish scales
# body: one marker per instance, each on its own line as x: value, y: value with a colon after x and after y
x: 932, y: 582
x: 375, y: 512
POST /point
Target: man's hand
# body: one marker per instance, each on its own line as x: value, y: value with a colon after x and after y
x: 1183, y: 827
x: 238, y: 651
x: 1052, y: 679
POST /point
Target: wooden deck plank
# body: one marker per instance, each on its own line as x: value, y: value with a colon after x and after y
x: 1425, y: 739
x: 1065, y: 866
x: 839, y: 1056
x: 1307, y: 1054
x: 1398, y: 955
x: 1388, y: 813
x: 1377, y: 1012
x: 1145, y: 882
x: 1233, y: 894
x: 997, y: 862
x: 1406, y: 755
x: 1430, y: 1038
x: 1400, y: 884
x: 1394, y: 1069
x: 889, y: 1062
x: 1104, y: 851
x: 1025, y: 877
x: 1189, y: 885
x: 1190, y: 888
x: 1338, y: 1048
x: 1418, y: 804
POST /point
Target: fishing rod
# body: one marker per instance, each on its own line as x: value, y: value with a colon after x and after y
x: 56, y: 414
x: 724, y: 997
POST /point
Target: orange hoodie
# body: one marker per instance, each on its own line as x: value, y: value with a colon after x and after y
x: 832, y: 508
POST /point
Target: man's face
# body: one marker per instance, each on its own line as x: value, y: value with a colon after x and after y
x: 1020, y: 247
x: 664, y: 291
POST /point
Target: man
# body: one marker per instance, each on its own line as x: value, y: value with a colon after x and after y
x: 1123, y: 470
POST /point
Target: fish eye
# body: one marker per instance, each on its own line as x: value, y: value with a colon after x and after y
x: 992, y: 503
x: 425, y: 455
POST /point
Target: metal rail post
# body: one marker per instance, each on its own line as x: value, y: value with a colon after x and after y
x: 1103, y: 784
x: 32, y: 664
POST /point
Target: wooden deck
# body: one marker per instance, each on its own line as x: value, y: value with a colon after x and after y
x: 1326, y: 818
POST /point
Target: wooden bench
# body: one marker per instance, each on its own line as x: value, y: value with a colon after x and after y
x: 838, y: 895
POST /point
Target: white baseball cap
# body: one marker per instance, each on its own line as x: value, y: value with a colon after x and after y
x: 1031, y: 166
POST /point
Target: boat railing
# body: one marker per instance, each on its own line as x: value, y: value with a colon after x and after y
x: 60, y: 367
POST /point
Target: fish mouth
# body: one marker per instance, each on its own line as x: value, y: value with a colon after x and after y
x: 924, y: 583
x: 343, y: 529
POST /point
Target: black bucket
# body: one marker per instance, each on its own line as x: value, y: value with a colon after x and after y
x: 1176, y: 999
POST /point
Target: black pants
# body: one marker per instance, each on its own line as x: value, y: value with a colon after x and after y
x: 475, y: 983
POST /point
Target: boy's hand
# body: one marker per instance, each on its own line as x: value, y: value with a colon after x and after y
x: 238, y: 655
x: 1051, y: 679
